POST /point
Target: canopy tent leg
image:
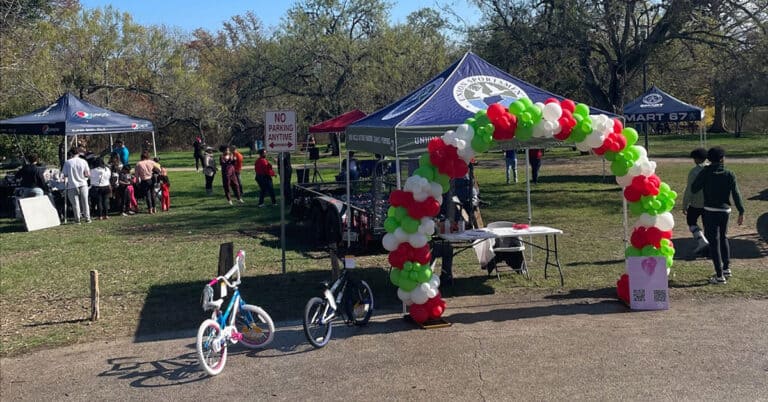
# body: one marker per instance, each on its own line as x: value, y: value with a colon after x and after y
x: 397, y: 163
x: 528, y: 191
x: 626, y: 219
x: 349, y: 207
x: 154, y: 145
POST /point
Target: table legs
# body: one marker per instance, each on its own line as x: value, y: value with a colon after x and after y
x: 557, y: 259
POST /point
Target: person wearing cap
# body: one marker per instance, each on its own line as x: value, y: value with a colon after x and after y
x: 209, y: 170
x: 718, y: 185
x: 693, y: 203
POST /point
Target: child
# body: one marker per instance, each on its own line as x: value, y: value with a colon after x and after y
x: 693, y: 203
x: 165, y: 190
x: 125, y: 186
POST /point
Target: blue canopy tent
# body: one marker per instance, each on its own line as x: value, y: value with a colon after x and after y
x: 657, y: 106
x: 447, y: 100
x: 70, y: 116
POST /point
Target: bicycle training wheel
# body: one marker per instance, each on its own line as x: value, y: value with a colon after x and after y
x: 256, y: 326
x: 318, y: 334
x: 212, y: 356
x: 359, y: 303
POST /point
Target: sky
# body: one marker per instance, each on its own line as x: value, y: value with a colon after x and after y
x: 210, y: 14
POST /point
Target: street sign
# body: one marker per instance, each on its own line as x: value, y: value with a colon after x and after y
x: 280, y: 130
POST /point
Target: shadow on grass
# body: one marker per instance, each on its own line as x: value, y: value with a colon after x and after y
x: 742, y: 247
x: 169, y: 309
x: 591, y: 263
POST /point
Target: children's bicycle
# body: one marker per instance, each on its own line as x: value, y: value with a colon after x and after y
x: 241, y: 322
x: 353, y: 297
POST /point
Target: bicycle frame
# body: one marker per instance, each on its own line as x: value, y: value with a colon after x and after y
x: 333, y: 295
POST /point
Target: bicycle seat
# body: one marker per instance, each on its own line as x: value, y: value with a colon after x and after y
x: 213, y: 305
x: 325, y: 284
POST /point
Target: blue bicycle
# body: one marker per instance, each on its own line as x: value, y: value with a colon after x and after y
x: 244, y: 323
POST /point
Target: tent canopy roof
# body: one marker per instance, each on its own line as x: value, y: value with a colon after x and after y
x: 447, y: 100
x: 338, y: 123
x: 656, y: 105
x: 71, y: 116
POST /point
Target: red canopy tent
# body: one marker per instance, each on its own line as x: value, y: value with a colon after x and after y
x: 338, y: 123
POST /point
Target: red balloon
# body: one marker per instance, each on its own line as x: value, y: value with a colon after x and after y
x: 418, y: 313
x: 396, y: 259
x: 567, y: 104
x: 422, y: 255
x: 495, y: 112
x: 622, y: 288
x: 617, y: 126
x: 567, y: 123
x: 639, y: 238
x: 631, y: 194
x: 551, y: 100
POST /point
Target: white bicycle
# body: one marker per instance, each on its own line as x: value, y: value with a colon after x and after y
x: 241, y: 322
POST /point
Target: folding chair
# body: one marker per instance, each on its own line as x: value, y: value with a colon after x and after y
x: 508, y: 249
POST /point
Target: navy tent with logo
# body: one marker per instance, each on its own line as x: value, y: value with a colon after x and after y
x: 656, y: 106
x: 70, y: 116
x: 447, y: 100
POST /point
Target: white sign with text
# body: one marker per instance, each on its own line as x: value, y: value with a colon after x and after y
x: 280, y: 130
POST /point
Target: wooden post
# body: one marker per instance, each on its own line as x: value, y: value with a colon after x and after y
x: 226, y: 257
x: 95, y: 314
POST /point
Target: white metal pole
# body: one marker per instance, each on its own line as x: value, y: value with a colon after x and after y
x: 154, y: 146
x: 281, y: 164
x: 349, y: 205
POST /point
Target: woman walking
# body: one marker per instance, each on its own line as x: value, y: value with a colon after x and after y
x: 229, y: 175
x: 264, y: 174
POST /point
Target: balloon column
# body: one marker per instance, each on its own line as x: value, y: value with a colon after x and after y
x: 410, y: 224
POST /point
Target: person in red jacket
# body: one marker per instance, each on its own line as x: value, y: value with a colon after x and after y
x: 238, y: 166
x: 534, y: 158
x: 264, y: 174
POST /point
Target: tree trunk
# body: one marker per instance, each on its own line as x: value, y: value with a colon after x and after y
x: 718, y: 122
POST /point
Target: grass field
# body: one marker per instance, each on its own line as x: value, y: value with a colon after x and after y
x: 153, y: 267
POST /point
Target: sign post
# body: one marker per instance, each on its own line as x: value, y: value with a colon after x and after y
x: 280, y: 136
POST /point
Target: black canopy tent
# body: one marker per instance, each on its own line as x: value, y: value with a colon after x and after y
x: 70, y: 116
x: 657, y: 106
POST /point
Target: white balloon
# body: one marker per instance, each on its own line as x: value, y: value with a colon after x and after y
x: 417, y: 240
x: 466, y: 154
x: 648, y: 168
x: 427, y: 226
x: 419, y: 295
x: 642, y: 151
x: 552, y: 111
x: 595, y: 139
x: 539, y: 105
x: 465, y: 132
x: 583, y: 146
x: 404, y: 296
x: 389, y: 242
x: 436, y: 190
x: 431, y: 291
x: 665, y: 222
x: 539, y: 131
x: 401, y: 235
x: 419, y: 186
x: 449, y: 136
x: 624, y: 181
x: 435, y: 281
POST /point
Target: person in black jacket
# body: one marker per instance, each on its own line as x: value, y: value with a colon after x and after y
x: 32, y: 180
x: 719, y: 186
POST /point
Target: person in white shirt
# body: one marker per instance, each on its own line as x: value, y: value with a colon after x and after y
x: 76, y: 173
x: 100, y: 187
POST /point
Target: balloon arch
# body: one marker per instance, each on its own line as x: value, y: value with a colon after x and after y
x: 410, y: 223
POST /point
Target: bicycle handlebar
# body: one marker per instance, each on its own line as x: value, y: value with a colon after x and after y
x: 236, y: 269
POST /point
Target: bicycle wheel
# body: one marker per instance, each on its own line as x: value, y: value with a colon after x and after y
x: 359, y: 302
x: 318, y: 334
x: 212, y: 356
x: 256, y: 326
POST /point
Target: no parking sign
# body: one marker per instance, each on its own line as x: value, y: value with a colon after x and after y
x: 280, y: 130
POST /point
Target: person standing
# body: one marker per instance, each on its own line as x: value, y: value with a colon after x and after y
x: 718, y: 185
x: 143, y: 172
x: 32, y: 179
x: 534, y: 158
x: 264, y: 174
x: 100, y: 184
x: 197, y: 145
x: 229, y: 175
x: 693, y: 203
x: 122, y: 152
x: 76, y: 172
x: 209, y: 170
x: 510, y: 161
x: 238, y: 157
x: 286, y: 170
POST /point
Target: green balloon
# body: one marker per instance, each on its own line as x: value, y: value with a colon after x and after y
x: 391, y: 212
x: 524, y: 133
x: 481, y: 119
x: 650, y: 251
x: 478, y: 145
x: 633, y: 252
x: 517, y: 107
x: 394, y: 276
x: 444, y: 181
x: 425, y: 274
x: 401, y: 213
x: 470, y: 121
x: 609, y: 156
x: 527, y: 102
x: 424, y: 160
x: 427, y: 172
x: 619, y: 167
x: 636, y: 208
x: 407, y: 284
x: 391, y: 224
x: 536, y: 114
x: 409, y: 224
x: 582, y: 110
x: 630, y: 134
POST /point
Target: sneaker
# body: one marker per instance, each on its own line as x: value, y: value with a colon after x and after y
x: 240, y: 200
x: 717, y: 280
x: 261, y: 205
x: 230, y: 202
x: 727, y: 273
x: 88, y: 220
x: 124, y: 214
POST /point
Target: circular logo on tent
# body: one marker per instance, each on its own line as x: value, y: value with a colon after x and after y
x: 652, y: 100
x: 134, y: 126
x: 414, y: 100
x: 83, y: 115
x: 480, y: 91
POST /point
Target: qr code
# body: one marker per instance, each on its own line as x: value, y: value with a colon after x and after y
x: 638, y: 295
x: 660, y: 295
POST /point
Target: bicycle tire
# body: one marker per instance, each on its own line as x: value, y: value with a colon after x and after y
x: 255, y: 325
x: 210, y: 360
x: 317, y: 333
x: 359, y: 302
